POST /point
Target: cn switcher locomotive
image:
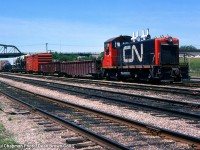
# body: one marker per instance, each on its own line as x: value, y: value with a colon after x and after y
x: 143, y: 58
x: 125, y: 57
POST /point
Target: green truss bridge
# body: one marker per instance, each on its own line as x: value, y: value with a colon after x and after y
x: 9, y: 51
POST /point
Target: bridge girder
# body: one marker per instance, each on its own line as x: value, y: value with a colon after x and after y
x: 9, y: 51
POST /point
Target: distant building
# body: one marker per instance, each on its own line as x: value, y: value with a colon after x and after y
x: 189, y: 53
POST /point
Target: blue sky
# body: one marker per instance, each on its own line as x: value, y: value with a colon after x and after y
x: 83, y: 25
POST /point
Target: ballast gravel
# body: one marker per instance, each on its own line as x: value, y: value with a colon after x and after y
x: 150, y: 93
x: 26, y: 132
x: 172, y: 123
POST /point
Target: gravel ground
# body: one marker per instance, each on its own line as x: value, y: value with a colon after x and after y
x: 179, y: 125
x: 139, y: 92
x: 26, y: 132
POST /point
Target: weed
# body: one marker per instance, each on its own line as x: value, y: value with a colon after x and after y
x: 5, y: 138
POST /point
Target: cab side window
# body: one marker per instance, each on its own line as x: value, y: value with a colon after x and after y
x: 115, y: 44
x: 106, y: 46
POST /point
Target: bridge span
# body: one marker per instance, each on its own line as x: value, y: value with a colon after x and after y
x: 9, y: 51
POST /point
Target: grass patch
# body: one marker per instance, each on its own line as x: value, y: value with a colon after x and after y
x: 6, y: 139
x: 194, y: 66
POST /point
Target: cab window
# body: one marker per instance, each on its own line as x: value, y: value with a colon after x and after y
x: 116, y: 44
x: 106, y: 46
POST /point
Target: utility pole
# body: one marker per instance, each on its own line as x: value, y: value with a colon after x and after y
x: 47, y: 47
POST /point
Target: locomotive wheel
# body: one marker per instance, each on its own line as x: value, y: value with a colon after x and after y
x: 118, y: 76
x: 107, y: 76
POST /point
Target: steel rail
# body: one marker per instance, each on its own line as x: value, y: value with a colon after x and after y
x: 185, y: 91
x: 92, y: 135
x: 113, y: 92
x: 187, y: 114
x: 191, y: 140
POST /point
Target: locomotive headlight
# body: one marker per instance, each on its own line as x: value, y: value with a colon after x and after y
x: 170, y: 39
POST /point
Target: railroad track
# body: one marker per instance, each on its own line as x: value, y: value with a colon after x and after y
x: 108, y: 130
x: 176, y: 108
x: 190, y: 84
x: 188, y: 88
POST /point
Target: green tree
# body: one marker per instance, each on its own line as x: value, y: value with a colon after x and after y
x: 100, y: 56
x: 188, y: 47
x: 61, y: 57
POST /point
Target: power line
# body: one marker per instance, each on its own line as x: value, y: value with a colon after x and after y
x: 75, y: 45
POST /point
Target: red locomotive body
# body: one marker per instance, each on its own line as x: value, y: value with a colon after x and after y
x: 110, y: 51
x: 144, y: 59
x: 33, y: 61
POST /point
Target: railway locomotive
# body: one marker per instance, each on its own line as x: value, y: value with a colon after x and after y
x: 125, y: 57
x: 143, y: 58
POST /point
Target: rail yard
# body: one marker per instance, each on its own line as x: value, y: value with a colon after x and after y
x: 131, y: 99
x: 99, y: 114
x: 99, y: 75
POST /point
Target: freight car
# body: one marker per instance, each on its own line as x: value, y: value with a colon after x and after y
x: 143, y: 58
x: 72, y: 68
x: 81, y: 68
x: 33, y: 61
x: 49, y: 68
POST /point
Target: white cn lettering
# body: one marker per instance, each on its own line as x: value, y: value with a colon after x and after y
x: 129, y: 59
x: 134, y: 49
x: 140, y: 57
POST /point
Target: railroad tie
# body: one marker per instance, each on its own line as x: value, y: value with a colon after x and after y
x: 85, y: 144
x: 49, y: 129
x: 76, y: 140
x: 44, y: 123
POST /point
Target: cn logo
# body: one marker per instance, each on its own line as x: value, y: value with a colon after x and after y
x: 129, y: 53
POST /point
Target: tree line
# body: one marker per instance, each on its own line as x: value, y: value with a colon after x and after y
x: 188, y: 47
x: 62, y: 57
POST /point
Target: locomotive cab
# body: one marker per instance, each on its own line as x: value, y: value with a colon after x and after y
x: 109, y: 63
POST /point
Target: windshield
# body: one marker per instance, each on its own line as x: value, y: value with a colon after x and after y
x: 169, y: 54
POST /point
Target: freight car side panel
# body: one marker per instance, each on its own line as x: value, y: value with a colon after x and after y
x: 42, y: 59
x: 138, y: 53
x: 29, y: 63
x: 50, y: 68
x: 34, y: 61
x: 81, y: 68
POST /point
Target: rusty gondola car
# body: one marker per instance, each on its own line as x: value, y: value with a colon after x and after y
x: 50, y: 68
x: 81, y: 68
x: 72, y: 68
